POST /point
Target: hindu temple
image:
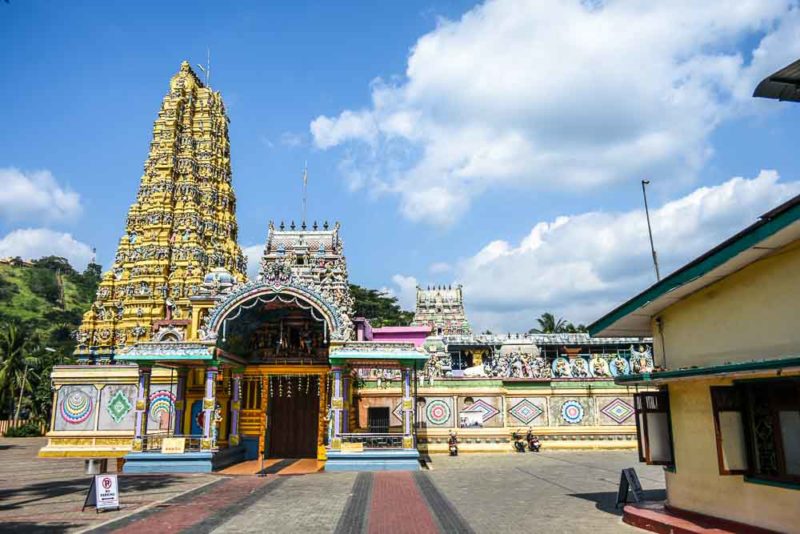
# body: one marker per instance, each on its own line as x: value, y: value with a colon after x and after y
x: 188, y: 366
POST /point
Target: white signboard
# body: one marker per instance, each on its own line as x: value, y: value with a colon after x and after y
x: 106, y: 492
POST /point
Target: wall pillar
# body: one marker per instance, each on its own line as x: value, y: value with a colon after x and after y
x: 180, y: 400
x: 236, y: 405
x: 142, y: 407
x: 346, y: 394
x: 408, y: 410
x: 209, y: 406
x: 337, y: 407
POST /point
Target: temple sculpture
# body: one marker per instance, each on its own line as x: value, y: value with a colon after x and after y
x: 182, y: 224
x: 188, y: 366
x: 442, y: 309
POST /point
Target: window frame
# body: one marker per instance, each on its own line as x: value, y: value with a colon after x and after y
x: 641, y: 406
x: 741, y: 407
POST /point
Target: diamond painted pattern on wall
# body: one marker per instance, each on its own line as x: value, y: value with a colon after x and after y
x: 486, y: 410
x: 618, y: 410
x: 525, y: 411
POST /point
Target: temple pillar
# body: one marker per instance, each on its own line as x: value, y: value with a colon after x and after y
x: 337, y: 406
x: 209, y: 405
x: 236, y: 405
x: 408, y: 410
x: 180, y: 400
x: 347, y: 400
x: 142, y: 405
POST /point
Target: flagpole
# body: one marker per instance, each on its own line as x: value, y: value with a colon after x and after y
x: 305, y: 187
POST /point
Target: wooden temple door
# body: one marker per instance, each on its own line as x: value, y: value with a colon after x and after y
x: 292, y: 424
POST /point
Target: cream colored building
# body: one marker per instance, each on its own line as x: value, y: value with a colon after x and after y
x: 726, y: 331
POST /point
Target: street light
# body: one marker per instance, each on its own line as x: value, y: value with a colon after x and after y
x: 650, y: 230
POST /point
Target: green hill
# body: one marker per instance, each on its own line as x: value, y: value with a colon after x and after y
x: 44, y: 301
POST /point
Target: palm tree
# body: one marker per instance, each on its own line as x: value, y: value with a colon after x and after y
x: 18, y: 363
x: 548, y: 324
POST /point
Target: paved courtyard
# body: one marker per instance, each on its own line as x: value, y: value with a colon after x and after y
x: 550, y: 491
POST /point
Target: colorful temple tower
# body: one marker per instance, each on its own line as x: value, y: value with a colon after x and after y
x: 182, y: 225
x: 442, y: 309
x: 211, y: 369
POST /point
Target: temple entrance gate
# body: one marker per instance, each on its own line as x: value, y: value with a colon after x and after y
x: 292, y: 418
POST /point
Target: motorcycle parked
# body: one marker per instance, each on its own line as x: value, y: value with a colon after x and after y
x: 519, y: 445
x: 533, y: 442
x: 452, y: 444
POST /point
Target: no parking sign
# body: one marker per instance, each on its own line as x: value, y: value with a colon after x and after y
x: 103, y: 493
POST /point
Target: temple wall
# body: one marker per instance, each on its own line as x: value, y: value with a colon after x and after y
x: 93, y: 409
x: 751, y: 314
x: 566, y: 414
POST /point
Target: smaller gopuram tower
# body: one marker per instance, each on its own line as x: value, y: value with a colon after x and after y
x: 442, y: 308
x: 311, y: 258
x: 181, y: 226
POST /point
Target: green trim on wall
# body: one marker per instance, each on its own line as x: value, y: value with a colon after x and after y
x: 739, y: 367
x: 748, y: 238
x: 775, y: 483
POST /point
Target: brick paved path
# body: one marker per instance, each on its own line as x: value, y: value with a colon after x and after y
x: 548, y: 492
x: 46, y: 494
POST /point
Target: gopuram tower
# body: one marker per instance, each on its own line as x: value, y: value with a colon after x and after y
x: 181, y: 226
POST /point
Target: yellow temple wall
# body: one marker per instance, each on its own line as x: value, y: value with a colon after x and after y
x: 98, y: 436
x: 515, y: 403
x: 751, y: 314
x: 696, y: 485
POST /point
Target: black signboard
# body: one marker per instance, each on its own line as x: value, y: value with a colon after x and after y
x: 628, y: 481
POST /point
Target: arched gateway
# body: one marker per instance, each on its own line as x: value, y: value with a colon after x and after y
x: 282, y: 334
x: 266, y: 369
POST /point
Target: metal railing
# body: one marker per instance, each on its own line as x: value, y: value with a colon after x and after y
x: 374, y: 440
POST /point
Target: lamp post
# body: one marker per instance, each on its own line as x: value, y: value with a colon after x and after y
x: 649, y: 229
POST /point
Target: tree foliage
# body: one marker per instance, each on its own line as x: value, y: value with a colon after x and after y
x: 40, y: 308
x: 549, y: 324
x: 379, y: 308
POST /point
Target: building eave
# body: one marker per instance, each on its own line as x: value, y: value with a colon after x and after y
x: 774, y: 229
x: 752, y: 366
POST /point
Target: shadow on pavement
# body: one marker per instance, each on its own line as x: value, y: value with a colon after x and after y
x: 57, y: 488
x: 6, y: 447
x: 33, y: 528
x: 606, y: 500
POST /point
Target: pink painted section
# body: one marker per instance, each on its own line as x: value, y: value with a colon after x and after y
x: 401, y: 334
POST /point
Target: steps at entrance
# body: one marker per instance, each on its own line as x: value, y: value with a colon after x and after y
x: 374, y: 460
x: 188, y: 462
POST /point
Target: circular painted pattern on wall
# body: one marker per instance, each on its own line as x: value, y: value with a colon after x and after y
x: 162, y: 405
x: 76, y: 408
x: 572, y: 412
x: 438, y: 412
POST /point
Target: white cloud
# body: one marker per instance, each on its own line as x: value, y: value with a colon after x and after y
x: 405, y: 290
x: 35, y: 196
x: 440, y: 267
x: 253, y: 253
x: 581, y: 266
x: 292, y: 140
x: 34, y: 243
x: 558, y: 93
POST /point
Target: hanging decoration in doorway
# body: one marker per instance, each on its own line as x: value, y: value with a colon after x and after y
x: 270, y: 387
x: 318, y: 381
x: 289, y: 387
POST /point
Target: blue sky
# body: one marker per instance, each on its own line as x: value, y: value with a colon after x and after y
x: 499, y: 146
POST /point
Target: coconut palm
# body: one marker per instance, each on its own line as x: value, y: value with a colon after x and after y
x: 19, y: 360
x: 548, y: 324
